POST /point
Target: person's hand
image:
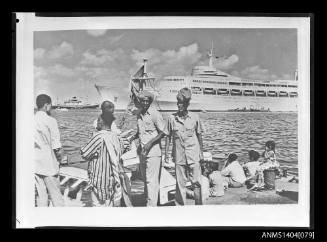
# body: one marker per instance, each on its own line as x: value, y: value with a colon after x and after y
x: 64, y: 160
x: 59, y: 154
x: 146, y: 149
x: 201, y: 156
x: 166, y: 159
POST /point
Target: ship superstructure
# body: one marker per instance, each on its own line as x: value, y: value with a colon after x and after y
x: 214, y: 90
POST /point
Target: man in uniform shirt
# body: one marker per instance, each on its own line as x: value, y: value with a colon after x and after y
x: 186, y: 131
x: 150, y: 129
x: 47, y: 149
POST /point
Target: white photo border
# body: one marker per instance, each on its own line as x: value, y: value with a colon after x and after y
x: 278, y: 215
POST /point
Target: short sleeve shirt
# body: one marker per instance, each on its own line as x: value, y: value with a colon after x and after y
x: 46, y: 139
x: 186, y: 147
x: 148, y: 125
x: 235, y: 171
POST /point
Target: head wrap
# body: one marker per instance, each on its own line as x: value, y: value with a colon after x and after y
x: 184, y: 95
x: 145, y: 94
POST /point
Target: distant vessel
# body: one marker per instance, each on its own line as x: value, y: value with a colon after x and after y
x: 251, y: 109
x: 212, y: 90
x: 74, y: 103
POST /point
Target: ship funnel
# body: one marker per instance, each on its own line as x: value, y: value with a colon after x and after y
x: 296, y: 75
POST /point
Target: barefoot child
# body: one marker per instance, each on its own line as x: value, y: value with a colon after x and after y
x: 269, y: 162
x: 233, y: 173
x: 250, y: 168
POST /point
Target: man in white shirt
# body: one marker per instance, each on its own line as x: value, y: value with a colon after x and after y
x: 233, y: 172
x: 48, y: 151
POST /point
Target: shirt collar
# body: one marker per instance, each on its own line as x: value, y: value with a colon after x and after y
x: 42, y: 113
x: 179, y: 119
x: 148, y: 112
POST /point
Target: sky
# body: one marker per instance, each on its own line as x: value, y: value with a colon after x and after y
x: 68, y: 63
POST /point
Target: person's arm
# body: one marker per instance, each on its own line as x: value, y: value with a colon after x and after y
x: 167, y: 140
x: 201, y: 145
x: 167, y: 143
x: 135, y: 136
x: 88, y: 151
x: 55, y: 140
x: 153, y: 141
x: 199, y: 130
x: 225, y: 171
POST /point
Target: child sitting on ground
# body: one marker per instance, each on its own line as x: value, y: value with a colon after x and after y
x: 250, y: 169
x: 233, y: 173
x: 269, y: 162
x: 216, y: 181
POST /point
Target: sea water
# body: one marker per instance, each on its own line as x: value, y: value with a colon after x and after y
x: 225, y: 132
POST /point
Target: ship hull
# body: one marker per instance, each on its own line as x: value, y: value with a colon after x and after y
x: 226, y: 103
x: 76, y: 106
x: 212, y: 103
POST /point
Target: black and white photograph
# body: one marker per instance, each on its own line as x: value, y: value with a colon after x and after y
x: 162, y: 121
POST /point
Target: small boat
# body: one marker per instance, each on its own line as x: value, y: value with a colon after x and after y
x: 260, y: 93
x: 293, y: 94
x: 283, y: 94
x: 236, y: 92
x: 248, y: 93
x: 251, y: 109
x: 272, y: 94
x: 209, y: 91
x: 222, y: 91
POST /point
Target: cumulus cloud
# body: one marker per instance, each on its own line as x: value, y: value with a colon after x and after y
x: 61, y: 70
x: 115, y: 39
x: 96, y: 32
x: 115, y: 67
x: 101, y: 57
x: 64, y: 49
x: 56, y: 52
x: 227, y: 62
x: 169, y: 62
x: 39, y: 53
x: 255, y: 72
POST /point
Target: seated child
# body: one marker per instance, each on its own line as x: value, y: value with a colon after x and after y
x: 205, y: 186
x: 216, y: 181
x: 233, y: 173
x: 251, y: 167
x: 269, y: 162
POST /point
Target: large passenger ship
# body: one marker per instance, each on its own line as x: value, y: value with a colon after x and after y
x: 212, y: 90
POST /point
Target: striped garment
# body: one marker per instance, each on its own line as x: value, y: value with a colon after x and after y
x: 104, y: 151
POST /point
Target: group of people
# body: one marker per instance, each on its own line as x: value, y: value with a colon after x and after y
x: 108, y: 183
x: 251, y: 173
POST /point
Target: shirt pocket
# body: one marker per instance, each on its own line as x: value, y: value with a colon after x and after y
x: 148, y: 126
x: 189, y: 129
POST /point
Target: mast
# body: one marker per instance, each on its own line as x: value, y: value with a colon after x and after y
x: 144, y: 71
x: 210, y: 54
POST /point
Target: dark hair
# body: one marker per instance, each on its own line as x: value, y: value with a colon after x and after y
x: 254, y: 155
x: 271, y: 145
x: 42, y: 99
x: 106, y: 103
x: 232, y: 157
